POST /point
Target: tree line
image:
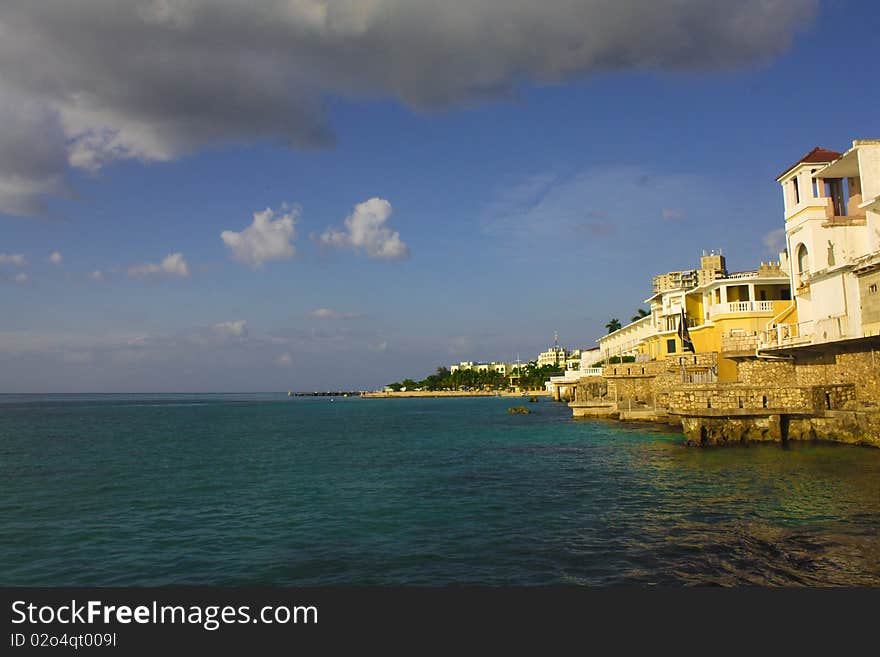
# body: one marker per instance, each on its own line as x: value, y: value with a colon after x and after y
x: 527, y: 377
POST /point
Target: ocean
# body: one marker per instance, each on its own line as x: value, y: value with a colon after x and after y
x: 236, y: 490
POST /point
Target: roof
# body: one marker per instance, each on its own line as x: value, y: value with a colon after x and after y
x: 817, y: 155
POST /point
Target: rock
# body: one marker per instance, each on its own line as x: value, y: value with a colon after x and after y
x: 522, y: 410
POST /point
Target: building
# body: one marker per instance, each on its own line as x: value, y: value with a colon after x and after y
x: 712, y: 266
x: 789, y: 351
x: 723, y: 315
x: 628, y: 340
x: 720, y: 311
x: 555, y: 356
x: 832, y: 231
x: 502, y: 368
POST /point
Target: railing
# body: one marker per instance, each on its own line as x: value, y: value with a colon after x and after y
x: 744, y: 274
x: 741, y: 307
x: 786, y: 335
x: 591, y: 371
x: 707, y: 376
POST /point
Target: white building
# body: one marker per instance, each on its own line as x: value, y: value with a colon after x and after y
x: 832, y: 231
x: 625, y: 341
x: 501, y: 368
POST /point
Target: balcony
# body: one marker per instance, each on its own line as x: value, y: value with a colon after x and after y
x: 786, y: 335
x: 735, y: 307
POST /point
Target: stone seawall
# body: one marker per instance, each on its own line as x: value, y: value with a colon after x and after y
x: 850, y: 427
x: 821, y: 392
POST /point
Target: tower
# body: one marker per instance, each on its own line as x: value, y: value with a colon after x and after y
x: 826, y: 233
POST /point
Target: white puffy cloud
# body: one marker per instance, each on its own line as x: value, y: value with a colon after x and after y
x: 96, y: 275
x: 329, y: 313
x: 71, y: 97
x: 234, y: 329
x: 55, y: 258
x: 264, y: 240
x: 365, y: 230
x: 284, y: 360
x: 174, y: 264
x: 13, y: 259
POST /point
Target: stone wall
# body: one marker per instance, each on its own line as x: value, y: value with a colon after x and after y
x: 739, y: 342
x: 767, y: 372
x: 829, y: 392
x: 725, y: 396
x: 870, y: 297
x: 850, y: 427
x: 591, y: 389
x: 833, y: 365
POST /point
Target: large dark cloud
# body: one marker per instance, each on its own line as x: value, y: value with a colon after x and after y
x: 100, y: 80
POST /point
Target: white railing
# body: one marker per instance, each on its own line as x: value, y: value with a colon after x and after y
x: 786, y: 335
x: 745, y: 274
x: 741, y: 307
x: 571, y: 376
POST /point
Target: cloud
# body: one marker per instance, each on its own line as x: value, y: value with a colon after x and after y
x: 284, y: 360
x: 365, y: 230
x: 264, y: 239
x: 236, y: 329
x: 174, y: 264
x: 55, y: 258
x: 194, y: 73
x: 775, y: 240
x: 328, y: 313
x: 18, y: 279
x: 96, y: 275
x: 13, y: 260
x: 379, y: 347
x: 597, y: 201
x: 673, y: 214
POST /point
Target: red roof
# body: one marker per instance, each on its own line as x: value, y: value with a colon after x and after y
x: 817, y: 155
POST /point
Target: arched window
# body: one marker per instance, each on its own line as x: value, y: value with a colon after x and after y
x: 803, y: 261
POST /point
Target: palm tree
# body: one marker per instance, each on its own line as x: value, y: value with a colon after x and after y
x: 640, y: 313
x: 613, y: 325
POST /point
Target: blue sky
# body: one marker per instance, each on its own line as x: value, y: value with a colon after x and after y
x: 544, y: 202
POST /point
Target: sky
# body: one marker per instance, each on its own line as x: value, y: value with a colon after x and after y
x: 268, y: 195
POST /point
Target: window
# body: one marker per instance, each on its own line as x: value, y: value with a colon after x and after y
x: 670, y: 346
x: 834, y: 189
x: 803, y: 260
x: 872, y: 288
x: 797, y: 191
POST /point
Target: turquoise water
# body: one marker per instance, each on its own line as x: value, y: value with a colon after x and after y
x: 266, y: 490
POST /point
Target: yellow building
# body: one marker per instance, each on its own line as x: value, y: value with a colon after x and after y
x: 725, y: 316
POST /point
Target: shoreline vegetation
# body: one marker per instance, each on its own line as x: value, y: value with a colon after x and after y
x: 454, y: 393
x: 528, y: 378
